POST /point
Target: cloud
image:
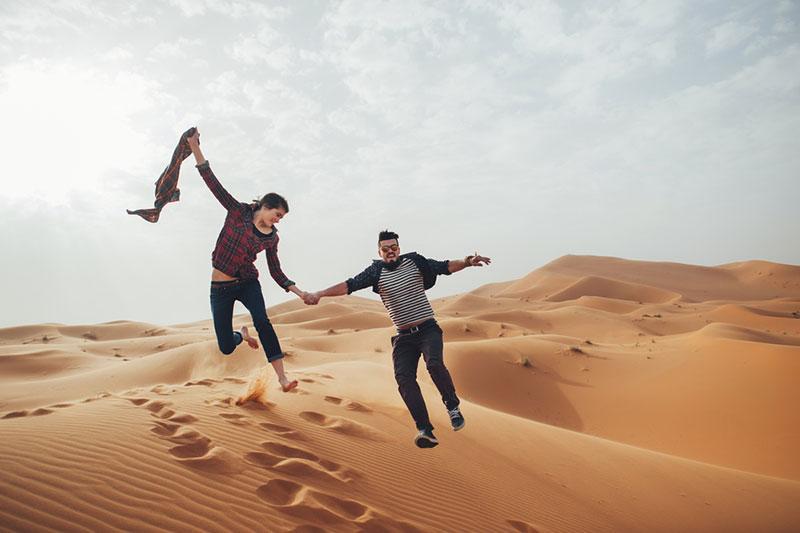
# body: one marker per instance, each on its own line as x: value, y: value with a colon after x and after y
x: 235, y: 9
x: 265, y: 47
x: 729, y: 35
x: 178, y: 49
x: 64, y: 125
x: 118, y: 53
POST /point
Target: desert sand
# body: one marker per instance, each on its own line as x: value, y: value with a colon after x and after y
x: 600, y: 394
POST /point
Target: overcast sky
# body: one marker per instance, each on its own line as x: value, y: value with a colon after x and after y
x: 661, y: 130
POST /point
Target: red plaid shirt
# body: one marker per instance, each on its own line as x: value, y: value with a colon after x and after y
x: 238, y: 242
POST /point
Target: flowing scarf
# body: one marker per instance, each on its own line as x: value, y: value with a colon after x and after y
x: 167, y: 184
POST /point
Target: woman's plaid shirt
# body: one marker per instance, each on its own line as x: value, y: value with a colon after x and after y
x: 238, y: 244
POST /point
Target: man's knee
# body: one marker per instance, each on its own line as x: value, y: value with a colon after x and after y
x: 434, y: 363
x: 404, y: 378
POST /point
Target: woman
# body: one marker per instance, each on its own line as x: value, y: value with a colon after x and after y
x: 248, y: 229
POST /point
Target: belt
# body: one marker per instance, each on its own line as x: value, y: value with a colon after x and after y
x: 419, y: 327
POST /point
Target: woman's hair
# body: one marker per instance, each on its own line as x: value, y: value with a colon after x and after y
x: 271, y: 201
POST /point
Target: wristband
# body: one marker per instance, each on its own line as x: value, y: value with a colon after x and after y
x: 468, y: 260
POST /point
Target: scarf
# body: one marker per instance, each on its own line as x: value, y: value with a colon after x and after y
x: 167, y: 183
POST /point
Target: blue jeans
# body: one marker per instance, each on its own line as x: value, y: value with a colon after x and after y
x: 223, y: 296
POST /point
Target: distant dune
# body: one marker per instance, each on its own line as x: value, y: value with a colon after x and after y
x: 601, y: 394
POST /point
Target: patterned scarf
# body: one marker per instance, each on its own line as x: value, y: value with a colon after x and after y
x: 167, y: 184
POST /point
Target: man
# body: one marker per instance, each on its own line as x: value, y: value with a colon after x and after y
x: 401, y: 282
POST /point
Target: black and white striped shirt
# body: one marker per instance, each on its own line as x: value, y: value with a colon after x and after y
x: 403, y: 294
x: 402, y: 287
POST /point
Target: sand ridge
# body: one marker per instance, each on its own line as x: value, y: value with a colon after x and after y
x: 601, y: 394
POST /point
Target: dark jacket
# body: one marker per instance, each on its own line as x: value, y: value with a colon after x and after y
x: 429, y: 268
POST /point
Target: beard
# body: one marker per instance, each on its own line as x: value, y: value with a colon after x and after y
x: 391, y: 264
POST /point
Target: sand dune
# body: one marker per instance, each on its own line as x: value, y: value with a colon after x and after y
x: 601, y: 394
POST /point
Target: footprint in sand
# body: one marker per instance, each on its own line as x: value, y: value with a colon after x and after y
x: 198, y: 446
x: 236, y: 418
x: 165, y: 429
x: 163, y: 390
x: 282, y: 431
x: 348, y: 404
x: 280, y: 491
x: 160, y: 409
x: 225, y: 402
x: 318, y: 507
x: 384, y: 523
x: 317, y: 374
x: 310, y: 505
x: 238, y: 381
x: 344, y: 426
x: 36, y: 412
x: 183, y: 418
x: 202, y: 455
x: 192, y: 448
x: 138, y: 401
x: 197, y: 450
x: 262, y: 459
x: 208, y: 382
x: 299, y: 463
x: 99, y: 396
x: 523, y: 527
x: 61, y: 405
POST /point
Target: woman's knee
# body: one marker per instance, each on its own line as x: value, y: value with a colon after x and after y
x: 227, y: 348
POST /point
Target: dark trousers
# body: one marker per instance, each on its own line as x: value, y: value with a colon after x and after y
x: 406, y: 350
x: 223, y: 296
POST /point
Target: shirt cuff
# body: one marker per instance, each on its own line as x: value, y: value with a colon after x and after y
x: 288, y: 283
x: 202, y: 165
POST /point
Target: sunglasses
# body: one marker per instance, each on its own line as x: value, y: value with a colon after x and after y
x: 392, y: 248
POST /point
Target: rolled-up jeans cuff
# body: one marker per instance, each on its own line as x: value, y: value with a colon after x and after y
x: 271, y: 358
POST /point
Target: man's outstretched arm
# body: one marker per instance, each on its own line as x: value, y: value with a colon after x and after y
x: 365, y: 279
x: 454, y: 265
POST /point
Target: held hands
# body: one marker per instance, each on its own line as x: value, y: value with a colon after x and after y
x: 310, y: 298
x: 477, y: 260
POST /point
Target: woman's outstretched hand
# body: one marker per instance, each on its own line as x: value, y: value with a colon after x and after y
x: 194, y: 144
x: 194, y: 140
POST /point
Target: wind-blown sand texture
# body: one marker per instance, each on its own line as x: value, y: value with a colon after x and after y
x: 600, y: 394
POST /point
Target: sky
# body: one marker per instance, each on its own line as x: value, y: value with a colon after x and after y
x: 523, y: 130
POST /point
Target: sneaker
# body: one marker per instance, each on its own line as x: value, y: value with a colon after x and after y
x: 456, y: 418
x: 425, y: 439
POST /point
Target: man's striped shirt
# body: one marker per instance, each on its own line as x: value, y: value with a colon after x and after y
x: 403, y: 294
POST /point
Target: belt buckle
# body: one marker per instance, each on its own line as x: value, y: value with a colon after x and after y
x: 413, y: 329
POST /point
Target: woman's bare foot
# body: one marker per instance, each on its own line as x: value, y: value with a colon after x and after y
x: 248, y: 339
x: 287, y: 385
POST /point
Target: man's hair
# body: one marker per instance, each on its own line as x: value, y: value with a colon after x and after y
x: 387, y: 235
x: 271, y: 200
